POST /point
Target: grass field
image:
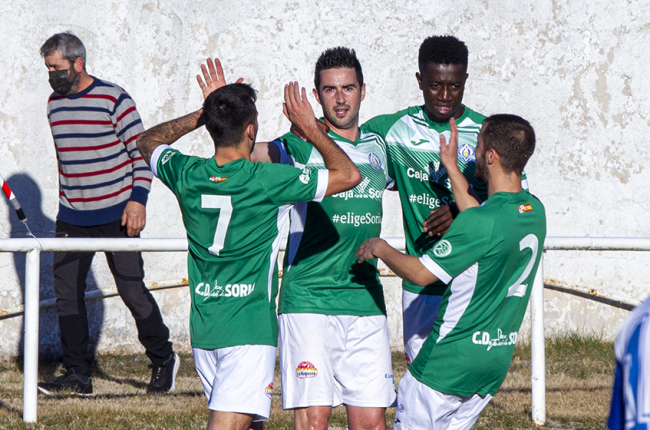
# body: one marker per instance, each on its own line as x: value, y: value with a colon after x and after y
x: 579, y: 378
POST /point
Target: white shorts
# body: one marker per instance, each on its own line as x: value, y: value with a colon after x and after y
x: 329, y: 360
x: 419, y: 312
x: 238, y: 378
x: 421, y: 407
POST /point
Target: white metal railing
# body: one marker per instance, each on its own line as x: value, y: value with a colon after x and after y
x: 33, y: 247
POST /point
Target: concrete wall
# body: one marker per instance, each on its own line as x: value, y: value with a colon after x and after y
x: 574, y: 69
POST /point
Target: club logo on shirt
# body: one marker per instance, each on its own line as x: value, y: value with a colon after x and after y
x: 306, y: 370
x: 501, y: 339
x: 168, y: 155
x: 218, y: 178
x: 374, y: 161
x: 305, y: 176
x: 524, y: 208
x: 466, y: 153
x: 230, y: 290
x: 400, y: 408
x: 442, y: 248
x: 269, y: 390
x: 418, y: 143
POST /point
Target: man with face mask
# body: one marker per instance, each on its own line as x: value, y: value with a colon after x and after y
x: 104, y: 184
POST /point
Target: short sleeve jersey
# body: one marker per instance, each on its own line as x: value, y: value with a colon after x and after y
x: 321, y: 274
x: 413, y: 151
x: 234, y: 216
x: 630, y: 408
x: 490, y: 254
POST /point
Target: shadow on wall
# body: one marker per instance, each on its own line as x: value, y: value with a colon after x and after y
x: 29, y: 194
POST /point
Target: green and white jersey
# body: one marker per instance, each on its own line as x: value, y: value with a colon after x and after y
x: 321, y: 274
x: 413, y: 149
x: 490, y: 254
x: 234, y: 216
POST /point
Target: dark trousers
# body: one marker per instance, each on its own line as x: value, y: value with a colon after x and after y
x: 70, y: 272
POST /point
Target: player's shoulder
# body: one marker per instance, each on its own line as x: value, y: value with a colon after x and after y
x: 639, y: 316
x: 471, y: 118
x: 381, y: 124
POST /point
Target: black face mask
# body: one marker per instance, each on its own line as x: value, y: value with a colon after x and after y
x: 60, y: 82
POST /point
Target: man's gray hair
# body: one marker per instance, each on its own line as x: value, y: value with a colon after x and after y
x: 71, y: 47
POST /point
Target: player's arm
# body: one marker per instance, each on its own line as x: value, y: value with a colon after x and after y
x: 449, y: 158
x: 168, y: 133
x: 407, y: 267
x: 343, y: 174
x: 266, y: 152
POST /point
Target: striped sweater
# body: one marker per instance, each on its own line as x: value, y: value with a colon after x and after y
x: 100, y: 168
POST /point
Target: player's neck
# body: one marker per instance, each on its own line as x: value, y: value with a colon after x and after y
x: 232, y: 153
x: 499, y: 182
x: 350, y: 134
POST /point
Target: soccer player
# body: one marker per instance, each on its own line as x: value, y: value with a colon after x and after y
x: 334, y: 340
x: 630, y: 407
x: 233, y: 211
x: 412, y: 139
x: 489, y: 257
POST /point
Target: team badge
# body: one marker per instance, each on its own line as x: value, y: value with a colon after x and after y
x: 168, y: 155
x: 466, y: 153
x: 269, y: 390
x: 442, y: 248
x: 218, y: 178
x: 306, y: 370
x: 305, y: 176
x: 374, y: 161
x: 524, y: 208
x: 400, y: 408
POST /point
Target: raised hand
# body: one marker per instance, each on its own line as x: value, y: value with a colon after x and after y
x: 213, y: 75
x: 297, y: 109
x: 449, y: 151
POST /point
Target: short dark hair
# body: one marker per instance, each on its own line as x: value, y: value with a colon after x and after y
x: 337, y: 58
x: 442, y: 50
x: 227, y: 112
x: 512, y: 137
x: 71, y: 47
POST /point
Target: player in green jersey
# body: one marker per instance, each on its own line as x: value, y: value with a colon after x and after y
x: 489, y: 257
x: 334, y: 341
x: 231, y: 259
x: 412, y: 139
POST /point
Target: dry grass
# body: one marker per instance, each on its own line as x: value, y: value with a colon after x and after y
x: 579, y: 377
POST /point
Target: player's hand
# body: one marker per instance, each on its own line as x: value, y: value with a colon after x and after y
x: 323, y: 127
x: 449, y: 151
x: 368, y: 249
x: 134, y: 218
x: 297, y: 109
x: 213, y: 77
x: 439, y: 221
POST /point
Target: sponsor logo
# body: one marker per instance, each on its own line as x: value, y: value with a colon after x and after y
x: 374, y: 161
x: 418, y: 143
x: 484, y: 338
x: 361, y: 191
x: 425, y: 199
x: 306, y: 370
x: 435, y: 173
x: 269, y: 390
x: 389, y: 376
x: 168, y: 155
x: 356, y: 220
x: 400, y: 408
x: 524, y: 208
x: 305, y: 176
x: 218, y: 178
x: 230, y: 290
x: 466, y: 153
x: 442, y: 248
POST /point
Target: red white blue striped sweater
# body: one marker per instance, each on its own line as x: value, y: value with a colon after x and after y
x: 100, y: 168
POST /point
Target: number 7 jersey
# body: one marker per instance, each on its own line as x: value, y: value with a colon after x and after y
x: 234, y: 216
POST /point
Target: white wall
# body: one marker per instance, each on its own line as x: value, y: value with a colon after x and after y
x: 574, y: 69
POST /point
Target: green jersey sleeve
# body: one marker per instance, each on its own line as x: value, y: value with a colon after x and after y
x: 463, y: 245
x: 296, y: 147
x: 167, y: 164
x: 288, y: 185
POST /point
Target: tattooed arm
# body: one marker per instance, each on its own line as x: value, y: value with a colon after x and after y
x: 168, y: 133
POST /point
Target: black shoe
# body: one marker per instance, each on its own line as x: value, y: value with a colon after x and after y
x: 68, y: 383
x: 163, y: 378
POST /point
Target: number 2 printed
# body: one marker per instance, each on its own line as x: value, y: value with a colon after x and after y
x: 518, y: 289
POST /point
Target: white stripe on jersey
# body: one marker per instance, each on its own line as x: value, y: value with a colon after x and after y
x: 434, y: 268
x: 462, y: 289
x: 281, y: 223
x: 296, y: 229
x: 155, y: 156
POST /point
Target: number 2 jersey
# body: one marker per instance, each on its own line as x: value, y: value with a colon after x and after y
x: 234, y: 216
x: 412, y: 144
x: 490, y: 254
x: 321, y: 273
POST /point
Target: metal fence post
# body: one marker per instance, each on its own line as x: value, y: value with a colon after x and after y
x: 30, y: 364
x: 538, y: 358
